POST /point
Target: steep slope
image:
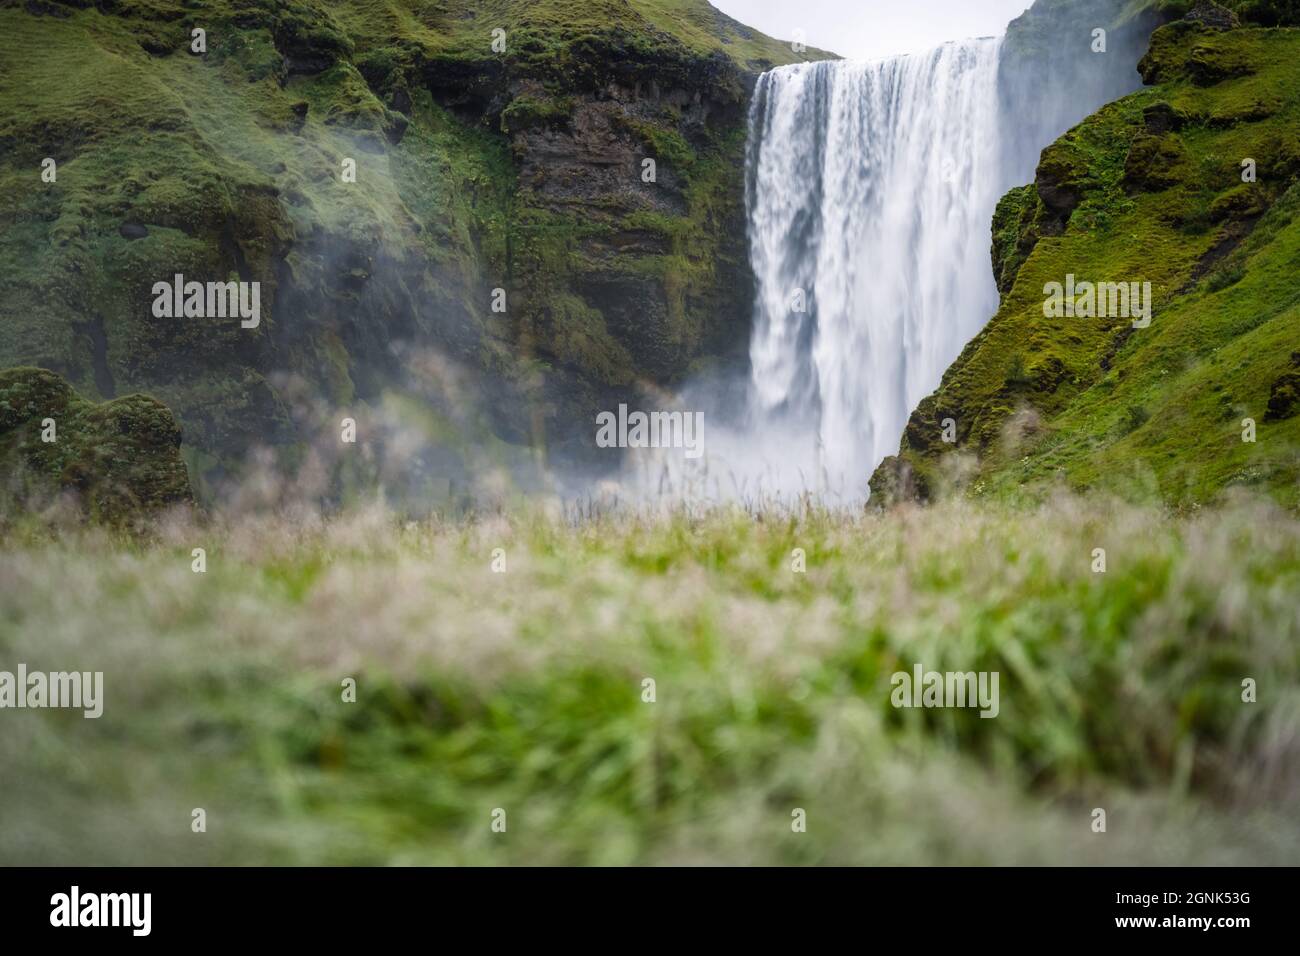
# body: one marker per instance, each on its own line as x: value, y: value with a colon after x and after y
x: 1063, y: 55
x: 1148, y: 189
x: 475, y: 170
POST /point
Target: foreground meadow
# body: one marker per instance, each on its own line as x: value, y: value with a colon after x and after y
x: 500, y: 663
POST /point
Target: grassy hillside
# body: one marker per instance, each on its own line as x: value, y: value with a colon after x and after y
x: 476, y: 170
x: 524, y: 689
x: 1148, y: 189
x: 543, y: 29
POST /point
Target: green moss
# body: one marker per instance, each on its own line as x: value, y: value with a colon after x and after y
x: 229, y: 164
x: 665, y: 144
x: 1014, y: 232
x: 121, y: 458
x: 1154, y: 162
x: 1156, y: 410
x: 546, y: 33
x: 526, y: 112
x: 1284, y: 393
x: 1243, y: 201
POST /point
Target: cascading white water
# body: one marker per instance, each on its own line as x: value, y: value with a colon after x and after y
x: 869, y: 190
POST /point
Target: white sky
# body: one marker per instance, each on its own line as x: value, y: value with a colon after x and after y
x: 868, y: 29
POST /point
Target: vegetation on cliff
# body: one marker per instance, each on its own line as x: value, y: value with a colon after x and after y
x: 120, y: 460
x: 516, y: 168
x: 1193, y: 185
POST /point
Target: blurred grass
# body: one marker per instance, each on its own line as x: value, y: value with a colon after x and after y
x: 522, y: 690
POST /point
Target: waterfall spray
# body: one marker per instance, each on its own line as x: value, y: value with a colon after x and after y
x: 869, y: 191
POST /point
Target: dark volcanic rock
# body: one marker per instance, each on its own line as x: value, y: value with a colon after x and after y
x: 1213, y: 15
x: 1162, y: 118
x: 1060, y: 179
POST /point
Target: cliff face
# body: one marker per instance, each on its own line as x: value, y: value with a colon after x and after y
x: 519, y: 168
x: 1054, y: 59
x: 1193, y: 186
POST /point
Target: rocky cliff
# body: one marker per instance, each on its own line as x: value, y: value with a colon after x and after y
x: 1060, y: 54
x: 1192, y: 186
x: 448, y: 208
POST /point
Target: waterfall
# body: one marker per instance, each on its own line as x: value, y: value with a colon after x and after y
x: 869, y: 192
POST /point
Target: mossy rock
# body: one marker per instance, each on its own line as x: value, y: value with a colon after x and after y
x: 1213, y: 15
x: 1279, y: 156
x: 1241, y: 202
x: 1284, y: 394
x: 1154, y: 162
x: 1191, y: 48
x: 120, y: 458
x: 1163, y: 118
x: 1166, y: 57
x: 28, y: 393
x: 1211, y: 63
x: 1016, y: 228
x: 528, y: 112
x: 1061, y: 177
x: 897, y: 482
